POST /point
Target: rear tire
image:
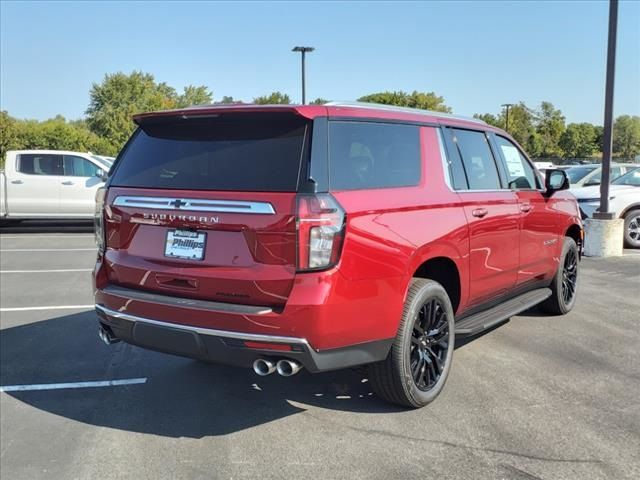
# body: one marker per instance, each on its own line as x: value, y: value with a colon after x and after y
x: 565, y: 282
x: 632, y: 229
x: 419, y: 361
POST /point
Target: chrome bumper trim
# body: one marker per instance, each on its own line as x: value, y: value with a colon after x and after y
x: 253, y: 337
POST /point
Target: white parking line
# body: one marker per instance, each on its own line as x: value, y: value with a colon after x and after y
x: 59, y: 386
x: 48, y: 250
x: 48, y: 271
x: 54, y: 307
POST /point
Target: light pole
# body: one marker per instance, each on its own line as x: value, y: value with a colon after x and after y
x: 603, y: 212
x: 507, y: 106
x: 303, y: 51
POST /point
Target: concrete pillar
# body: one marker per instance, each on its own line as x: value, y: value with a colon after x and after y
x: 603, y: 238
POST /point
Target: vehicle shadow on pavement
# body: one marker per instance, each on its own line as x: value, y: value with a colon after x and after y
x: 182, y: 397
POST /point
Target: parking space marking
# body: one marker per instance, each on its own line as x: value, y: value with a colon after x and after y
x: 48, y: 249
x: 54, y: 307
x: 49, y: 271
x: 60, y: 386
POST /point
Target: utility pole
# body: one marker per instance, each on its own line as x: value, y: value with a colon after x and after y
x: 303, y: 51
x: 603, y: 212
x: 507, y: 106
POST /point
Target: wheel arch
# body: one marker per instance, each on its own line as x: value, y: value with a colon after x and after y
x: 446, y: 272
x: 628, y: 208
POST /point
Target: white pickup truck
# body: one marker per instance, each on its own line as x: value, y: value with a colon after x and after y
x: 50, y: 184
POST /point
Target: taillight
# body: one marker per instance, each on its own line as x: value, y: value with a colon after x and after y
x: 320, y: 223
x: 98, y: 219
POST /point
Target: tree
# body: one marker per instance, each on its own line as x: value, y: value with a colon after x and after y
x: 491, y: 119
x: 549, y: 125
x: 578, y: 140
x: 113, y: 102
x: 422, y: 100
x: 228, y: 100
x: 626, y: 136
x: 275, y: 98
x: 319, y: 101
x: 8, y: 135
x: 194, y: 96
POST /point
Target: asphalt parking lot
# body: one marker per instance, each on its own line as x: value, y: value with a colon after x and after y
x: 537, y: 398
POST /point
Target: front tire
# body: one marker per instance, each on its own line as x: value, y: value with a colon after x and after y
x: 418, y: 364
x: 565, y: 282
x: 632, y: 229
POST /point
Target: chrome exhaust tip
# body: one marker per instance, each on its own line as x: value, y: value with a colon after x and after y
x: 106, y: 336
x: 287, y: 368
x: 263, y: 367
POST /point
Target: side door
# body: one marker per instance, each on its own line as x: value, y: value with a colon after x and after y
x: 78, y: 186
x: 492, y: 214
x: 538, y: 230
x: 34, y: 189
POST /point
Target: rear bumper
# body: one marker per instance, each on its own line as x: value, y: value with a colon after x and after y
x: 234, y: 348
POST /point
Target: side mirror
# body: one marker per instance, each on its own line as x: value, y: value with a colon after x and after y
x: 101, y: 174
x: 592, y: 183
x: 555, y: 180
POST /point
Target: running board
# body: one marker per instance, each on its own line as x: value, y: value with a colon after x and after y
x: 489, y: 318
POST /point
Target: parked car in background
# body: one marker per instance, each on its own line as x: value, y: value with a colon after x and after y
x: 624, y: 201
x: 50, y: 184
x: 544, y: 165
x: 589, y: 175
x: 325, y: 237
x: 107, y: 161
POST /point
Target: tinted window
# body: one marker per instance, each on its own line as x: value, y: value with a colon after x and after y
x: 79, y: 167
x: 478, y: 161
x: 520, y: 173
x: 596, y: 179
x: 373, y: 155
x: 40, y: 164
x: 233, y: 152
x: 632, y: 178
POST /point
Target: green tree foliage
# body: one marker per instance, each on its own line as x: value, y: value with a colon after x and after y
x: 9, y: 138
x: 194, y: 96
x: 228, y: 100
x: 422, y: 100
x: 549, y: 126
x: 496, y: 121
x: 626, y: 136
x: 579, y: 140
x: 119, y: 96
x: 275, y: 98
x: 319, y: 101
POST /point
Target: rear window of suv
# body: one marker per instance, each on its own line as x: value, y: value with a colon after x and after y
x: 230, y: 152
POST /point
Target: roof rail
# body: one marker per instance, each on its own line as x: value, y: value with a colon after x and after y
x: 393, y: 108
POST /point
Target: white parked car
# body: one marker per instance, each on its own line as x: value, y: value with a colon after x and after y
x: 624, y: 201
x: 50, y: 184
x: 591, y: 174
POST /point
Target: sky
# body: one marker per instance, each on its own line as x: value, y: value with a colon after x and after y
x: 477, y: 55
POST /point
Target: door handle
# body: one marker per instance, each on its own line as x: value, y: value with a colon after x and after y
x: 479, y: 212
x: 525, y: 207
x: 68, y: 182
x: 17, y: 182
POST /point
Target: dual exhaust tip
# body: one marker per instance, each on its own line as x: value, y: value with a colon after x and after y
x: 107, y: 336
x: 284, y: 367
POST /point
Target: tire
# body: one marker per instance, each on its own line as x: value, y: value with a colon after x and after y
x: 632, y: 229
x: 565, y: 282
x: 417, y: 367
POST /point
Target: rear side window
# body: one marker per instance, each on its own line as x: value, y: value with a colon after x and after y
x: 40, y: 164
x: 79, y: 167
x: 236, y: 152
x: 373, y: 155
x: 479, y: 164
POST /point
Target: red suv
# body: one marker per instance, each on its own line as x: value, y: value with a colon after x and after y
x: 325, y: 237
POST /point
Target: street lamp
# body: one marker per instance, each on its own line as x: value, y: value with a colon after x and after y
x: 507, y: 106
x: 303, y: 51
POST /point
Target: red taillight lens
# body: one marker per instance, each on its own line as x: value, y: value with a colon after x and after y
x: 320, y: 223
x: 98, y: 220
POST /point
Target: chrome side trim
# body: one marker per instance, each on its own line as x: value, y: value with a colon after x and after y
x: 195, y: 205
x: 204, y: 331
x: 172, y: 301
